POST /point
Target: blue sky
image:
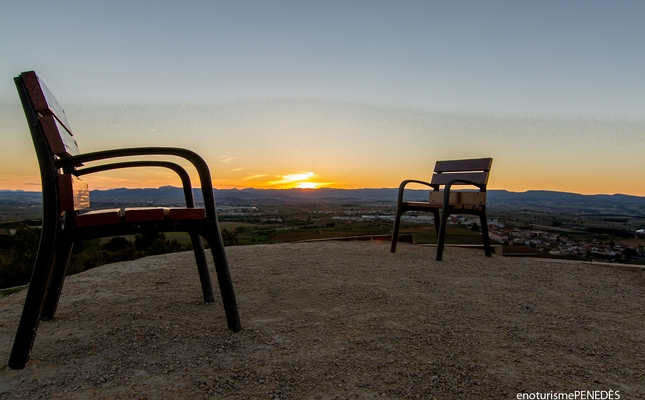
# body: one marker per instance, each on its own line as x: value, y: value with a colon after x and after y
x: 362, y: 93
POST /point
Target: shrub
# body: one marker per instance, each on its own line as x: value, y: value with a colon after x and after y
x: 17, y: 256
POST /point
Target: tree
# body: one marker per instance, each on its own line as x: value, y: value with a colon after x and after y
x: 118, y: 243
x: 229, y: 238
x: 153, y: 243
x: 144, y: 241
x: 17, y: 256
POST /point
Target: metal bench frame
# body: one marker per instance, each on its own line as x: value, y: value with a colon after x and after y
x: 443, y: 202
x: 60, y: 164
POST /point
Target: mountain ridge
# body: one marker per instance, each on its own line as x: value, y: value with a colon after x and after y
x: 367, y: 194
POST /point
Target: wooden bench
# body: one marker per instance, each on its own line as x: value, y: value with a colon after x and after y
x: 443, y: 201
x: 65, y: 195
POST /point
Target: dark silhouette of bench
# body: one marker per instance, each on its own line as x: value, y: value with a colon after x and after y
x: 443, y: 201
x: 65, y: 195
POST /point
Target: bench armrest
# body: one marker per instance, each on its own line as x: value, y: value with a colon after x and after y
x: 181, y: 172
x: 402, y: 188
x: 194, y: 158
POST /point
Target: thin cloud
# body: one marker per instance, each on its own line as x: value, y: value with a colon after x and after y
x: 226, y: 159
x: 254, y: 176
x: 291, y: 178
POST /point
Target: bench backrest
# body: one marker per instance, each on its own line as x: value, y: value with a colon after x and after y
x: 73, y: 194
x: 473, y: 170
x: 51, y: 116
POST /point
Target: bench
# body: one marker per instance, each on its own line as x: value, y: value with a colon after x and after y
x: 65, y: 195
x: 443, y: 201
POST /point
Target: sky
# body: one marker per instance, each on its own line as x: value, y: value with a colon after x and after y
x: 345, y: 94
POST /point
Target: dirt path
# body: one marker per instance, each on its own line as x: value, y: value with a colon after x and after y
x: 337, y: 320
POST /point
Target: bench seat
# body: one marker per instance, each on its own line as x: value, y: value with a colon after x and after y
x: 140, y: 214
x: 421, y: 205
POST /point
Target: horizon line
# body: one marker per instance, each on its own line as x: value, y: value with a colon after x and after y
x: 330, y: 188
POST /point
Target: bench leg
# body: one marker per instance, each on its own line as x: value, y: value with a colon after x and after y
x: 225, y: 281
x: 202, y: 268
x: 63, y: 252
x: 437, y: 218
x: 395, y: 230
x: 484, y: 226
x: 28, y: 324
x: 442, y: 235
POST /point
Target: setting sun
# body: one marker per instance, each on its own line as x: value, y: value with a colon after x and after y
x: 287, y: 179
x: 301, y: 180
x: 308, y: 185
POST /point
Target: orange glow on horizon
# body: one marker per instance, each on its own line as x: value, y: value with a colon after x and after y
x: 30, y: 182
x: 308, y: 185
x: 301, y: 180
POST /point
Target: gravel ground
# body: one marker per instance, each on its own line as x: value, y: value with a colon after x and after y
x: 335, y: 320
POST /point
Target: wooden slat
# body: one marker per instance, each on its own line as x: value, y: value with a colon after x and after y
x: 60, y: 140
x: 421, y: 204
x: 52, y: 116
x: 466, y: 207
x: 42, y: 98
x: 475, y: 164
x: 74, y: 193
x: 480, y: 178
x: 141, y: 214
x: 461, y: 198
x: 186, y: 213
x: 99, y: 217
x: 145, y: 214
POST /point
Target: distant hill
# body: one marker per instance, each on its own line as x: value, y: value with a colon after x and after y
x: 19, y: 195
x: 497, y: 199
x: 544, y: 199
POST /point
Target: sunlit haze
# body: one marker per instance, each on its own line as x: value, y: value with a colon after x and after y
x: 342, y: 94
